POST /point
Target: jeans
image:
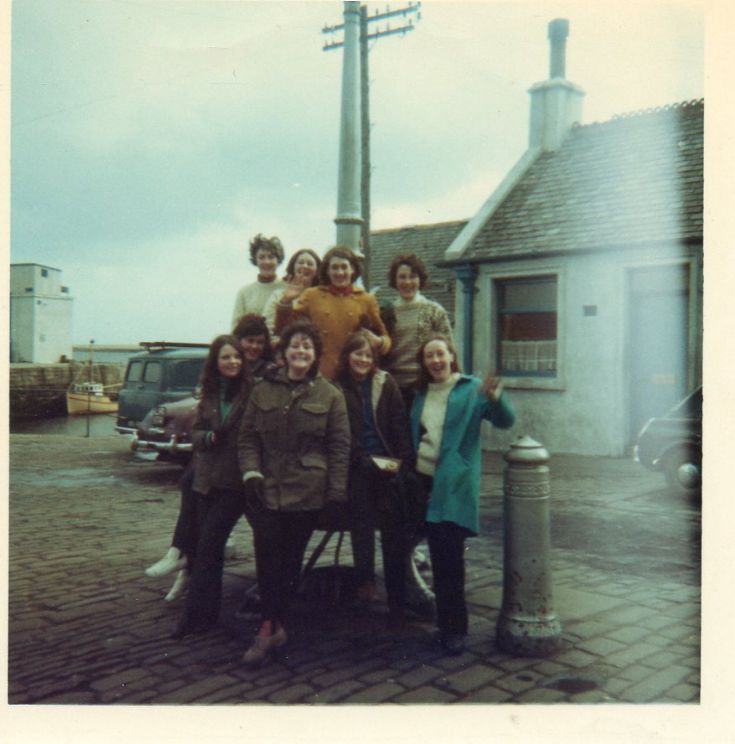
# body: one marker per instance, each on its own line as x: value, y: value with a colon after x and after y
x: 367, y: 485
x: 216, y: 515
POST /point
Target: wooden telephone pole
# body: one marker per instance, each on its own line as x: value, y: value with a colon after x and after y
x: 365, y: 37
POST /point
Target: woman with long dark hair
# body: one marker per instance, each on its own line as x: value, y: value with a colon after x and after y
x: 446, y: 417
x: 255, y: 344
x: 294, y: 454
x: 217, y: 484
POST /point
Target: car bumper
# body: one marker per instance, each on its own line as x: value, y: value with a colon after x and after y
x: 171, y: 446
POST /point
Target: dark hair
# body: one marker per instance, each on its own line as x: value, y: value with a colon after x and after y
x: 424, y: 376
x: 354, y: 341
x: 291, y: 266
x: 260, y: 242
x: 254, y: 325
x: 307, y: 328
x: 210, y: 372
x: 339, y: 251
x: 411, y: 260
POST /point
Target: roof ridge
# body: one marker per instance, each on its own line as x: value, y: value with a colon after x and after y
x: 677, y: 106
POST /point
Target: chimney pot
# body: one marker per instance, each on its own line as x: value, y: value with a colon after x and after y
x: 558, y: 32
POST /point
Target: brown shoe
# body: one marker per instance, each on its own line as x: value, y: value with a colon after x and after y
x: 258, y: 653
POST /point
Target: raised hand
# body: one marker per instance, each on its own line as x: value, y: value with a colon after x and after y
x: 492, y: 386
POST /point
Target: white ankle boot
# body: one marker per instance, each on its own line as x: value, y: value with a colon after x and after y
x: 180, y: 583
x: 172, y: 561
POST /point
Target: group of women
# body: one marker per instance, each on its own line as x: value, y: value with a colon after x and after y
x: 359, y: 399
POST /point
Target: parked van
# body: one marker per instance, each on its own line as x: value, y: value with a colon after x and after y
x: 162, y: 373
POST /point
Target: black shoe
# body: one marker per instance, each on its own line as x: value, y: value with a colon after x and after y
x: 250, y: 607
x: 189, y: 627
x: 452, y: 644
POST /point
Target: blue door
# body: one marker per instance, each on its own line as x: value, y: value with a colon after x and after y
x: 658, y: 324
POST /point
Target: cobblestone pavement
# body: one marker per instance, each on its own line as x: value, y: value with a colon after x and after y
x: 86, y: 626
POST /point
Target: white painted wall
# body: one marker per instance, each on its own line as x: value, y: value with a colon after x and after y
x: 584, y: 409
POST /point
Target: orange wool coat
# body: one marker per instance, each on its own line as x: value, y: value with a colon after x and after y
x: 336, y: 317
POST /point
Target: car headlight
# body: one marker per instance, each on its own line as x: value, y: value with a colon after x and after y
x: 159, y: 416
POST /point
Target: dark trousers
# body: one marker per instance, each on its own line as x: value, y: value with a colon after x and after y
x: 446, y: 548
x: 369, y: 509
x: 185, y: 533
x: 280, y: 539
x: 216, y: 515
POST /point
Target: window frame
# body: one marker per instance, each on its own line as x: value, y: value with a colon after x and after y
x: 491, y: 310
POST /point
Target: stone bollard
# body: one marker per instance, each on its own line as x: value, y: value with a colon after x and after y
x: 527, y: 624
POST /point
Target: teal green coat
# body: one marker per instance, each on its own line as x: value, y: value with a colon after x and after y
x: 455, y: 495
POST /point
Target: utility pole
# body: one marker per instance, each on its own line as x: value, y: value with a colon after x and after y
x: 365, y: 37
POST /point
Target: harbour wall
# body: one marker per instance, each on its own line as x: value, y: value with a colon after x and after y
x: 39, y: 390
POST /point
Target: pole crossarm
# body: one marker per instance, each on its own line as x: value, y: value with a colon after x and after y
x: 377, y: 16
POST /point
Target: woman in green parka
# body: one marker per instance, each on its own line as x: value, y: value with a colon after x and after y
x: 446, y: 419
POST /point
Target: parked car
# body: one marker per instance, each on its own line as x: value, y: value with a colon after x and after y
x: 166, y: 430
x: 672, y: 444
x: 161, y: 374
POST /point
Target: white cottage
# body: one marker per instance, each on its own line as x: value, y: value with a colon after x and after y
x: 580, y: 278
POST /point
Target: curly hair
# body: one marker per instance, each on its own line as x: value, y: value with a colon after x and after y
x: 424, y: 376
x: 210, y: 378
x: 254, y: 325
x: 355, y: 341
x: 307, y: 328
x: 291, y: 266
x: 416, y: 265
x: 339, y: 251
x: 260, y: 242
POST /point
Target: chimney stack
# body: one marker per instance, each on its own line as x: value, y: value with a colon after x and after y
x: 556, y: 103
x: 558, y: 32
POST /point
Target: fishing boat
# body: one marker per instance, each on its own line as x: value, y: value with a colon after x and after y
x: 90, y: 396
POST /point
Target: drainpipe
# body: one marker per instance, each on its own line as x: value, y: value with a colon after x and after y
x: 467, y: 275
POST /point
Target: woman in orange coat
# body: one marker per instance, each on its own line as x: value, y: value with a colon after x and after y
x: 336, y: 307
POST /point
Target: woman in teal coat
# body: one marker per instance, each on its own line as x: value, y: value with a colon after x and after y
x: 446, y: 419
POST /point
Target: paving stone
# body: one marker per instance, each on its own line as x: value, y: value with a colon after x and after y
x: 541, y: 695
x: 661, y: 660
x: 470, y: 678
x: 591, y: 696
x: 629, y: 634
x: 199, y: 688
x: 425, y: 695
x: 376, y: 693
x: 600, y: 646
x: 420, y: 675
x: 291, y: 694
x: 631, y: 654
x: 685, y: 693
x: 335, y: 693
x: 575, y: 658
x: 655, y: 685
x: 82, y: 697
x: 513, y: 684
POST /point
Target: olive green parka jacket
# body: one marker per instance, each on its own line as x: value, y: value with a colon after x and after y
x: 297, y: 436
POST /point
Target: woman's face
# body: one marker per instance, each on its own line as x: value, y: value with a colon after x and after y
x: 407, y: 282
x: 340, y: 272
x: 252, y: 347
x: 299, y: 355
x: 267, y: 263
x: 305, y: 266
x: 361, y: 362
x: 229, y: 361
x: 438, y: 360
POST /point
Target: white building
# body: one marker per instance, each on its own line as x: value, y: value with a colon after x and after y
x: 40, y: 314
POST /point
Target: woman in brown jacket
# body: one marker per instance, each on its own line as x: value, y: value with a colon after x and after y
x: 294, y: 451
x: 217, y: 483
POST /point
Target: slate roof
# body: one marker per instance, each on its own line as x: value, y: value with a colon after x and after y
x: 635, y: 179
x: 428, y: 242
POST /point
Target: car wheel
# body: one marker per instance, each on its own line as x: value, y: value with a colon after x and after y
x: 683, y: 471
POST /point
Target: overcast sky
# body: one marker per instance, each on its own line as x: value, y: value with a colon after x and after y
x: 152, y: 139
